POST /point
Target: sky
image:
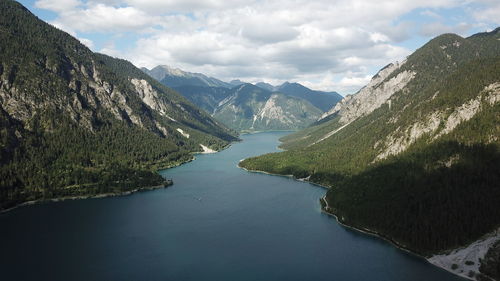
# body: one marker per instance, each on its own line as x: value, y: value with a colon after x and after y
x: 330, y: 45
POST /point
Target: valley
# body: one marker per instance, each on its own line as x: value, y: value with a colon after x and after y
x: 215, y: 214
x: 246, y: 107
x: 78, y: 123
x: 397, y: 180
x: 413, y: 155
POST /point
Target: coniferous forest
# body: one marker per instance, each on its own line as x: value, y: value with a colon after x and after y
x: 74, y: 124
x: 442, y: 191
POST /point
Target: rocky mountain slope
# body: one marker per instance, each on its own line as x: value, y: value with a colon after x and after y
x: 321, y: 100
x: 266, y: 86
x: 73, y: 122
x: 174, y: 77
x: 246, y: 107
x: 207, y: 98
x: 250, y: 108
x: 413, y: 156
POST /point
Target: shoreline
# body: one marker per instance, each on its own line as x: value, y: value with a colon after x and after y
x: 97, y: 196
x: 328, y: 211
x: 306, y: 180
x: 325, y: 211
x: 113, y: 194
x: 265, y: 131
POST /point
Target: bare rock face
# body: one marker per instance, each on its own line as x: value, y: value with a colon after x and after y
x: 249, y: 108
x: 87, y: 92
x: 373, y: 95
x: 402, y: 138
x: 272, y: 110
x: 148, y: 95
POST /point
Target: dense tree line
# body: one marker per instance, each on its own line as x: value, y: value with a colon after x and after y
x: 57, y: 138
x: 443, y: 191
x: 422, y: 203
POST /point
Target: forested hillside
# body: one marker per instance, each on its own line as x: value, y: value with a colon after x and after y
x: 250, y: 108
x: 73, y: 122
x: 414, y: 155
x: 246, y: 107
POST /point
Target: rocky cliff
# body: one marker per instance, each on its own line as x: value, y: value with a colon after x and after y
x: 411, y: 156
x: 74, y: 122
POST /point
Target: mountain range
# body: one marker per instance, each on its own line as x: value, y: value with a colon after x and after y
x: 174, y: 77
x: 78, y: 123
x: 414, y: 155
x: 250, y: 108
x: 246, y: 107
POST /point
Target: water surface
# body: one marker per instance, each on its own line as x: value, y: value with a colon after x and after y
x: 217, y: 222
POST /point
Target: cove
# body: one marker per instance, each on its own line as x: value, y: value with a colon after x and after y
x: 217, y: 222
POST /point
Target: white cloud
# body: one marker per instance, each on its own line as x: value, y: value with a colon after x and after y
x: 431, y: 14
x: 329, y: 45
x: 100, y: 17
x: 437, y: 28
x: 490, y: 14
x: 57, y: 5
x: 87, y: 42
x: 348, y: 82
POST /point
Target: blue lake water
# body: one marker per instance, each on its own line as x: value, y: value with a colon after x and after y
x: 217, y: 222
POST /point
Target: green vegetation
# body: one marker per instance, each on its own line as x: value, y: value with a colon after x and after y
x: 242, y: 106
x: 322, y: 100
x: 72, y: 123
x: 207, y: 98
x: 442, y: 190
x: 426, y: 207
x: 250, y: 108
x: 490, y: 266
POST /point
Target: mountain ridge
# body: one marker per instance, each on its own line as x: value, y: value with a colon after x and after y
x: 250, y: 108
x: 411, y: 155
x: 320, y: 99
x: 210, y: 97
x: 175, y: 77
x: 78, y: 123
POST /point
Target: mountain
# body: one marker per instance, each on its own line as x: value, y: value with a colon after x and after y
x: 414, y: 155
x: 236, y: 82
x: 204, y: 91
x: 207, y: 98
x: 266, y: 86
x: 321, y: 100
x: 78, y: 123
x: 174, y: 77
x: 246, y: 107
x: 250, y: 108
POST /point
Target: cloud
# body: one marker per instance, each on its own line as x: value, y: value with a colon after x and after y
x: 329, y: 45
x: 57, y: 5
x: 431, y: 14
x: 266, y: 32
x: 87, y: 42
x: 188, y: 6
x: 437, y: 28
x: 489, y: 14
x: 100, y: 17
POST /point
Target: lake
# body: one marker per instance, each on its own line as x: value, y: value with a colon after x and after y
x: 217, y: 222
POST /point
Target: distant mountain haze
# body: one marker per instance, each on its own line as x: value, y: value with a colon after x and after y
x: 174, y: 77
x: 250, y: 108
x: 322, y: 100
x: 293, y: 105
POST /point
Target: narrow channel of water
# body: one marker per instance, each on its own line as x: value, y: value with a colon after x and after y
x: 217, y: 222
